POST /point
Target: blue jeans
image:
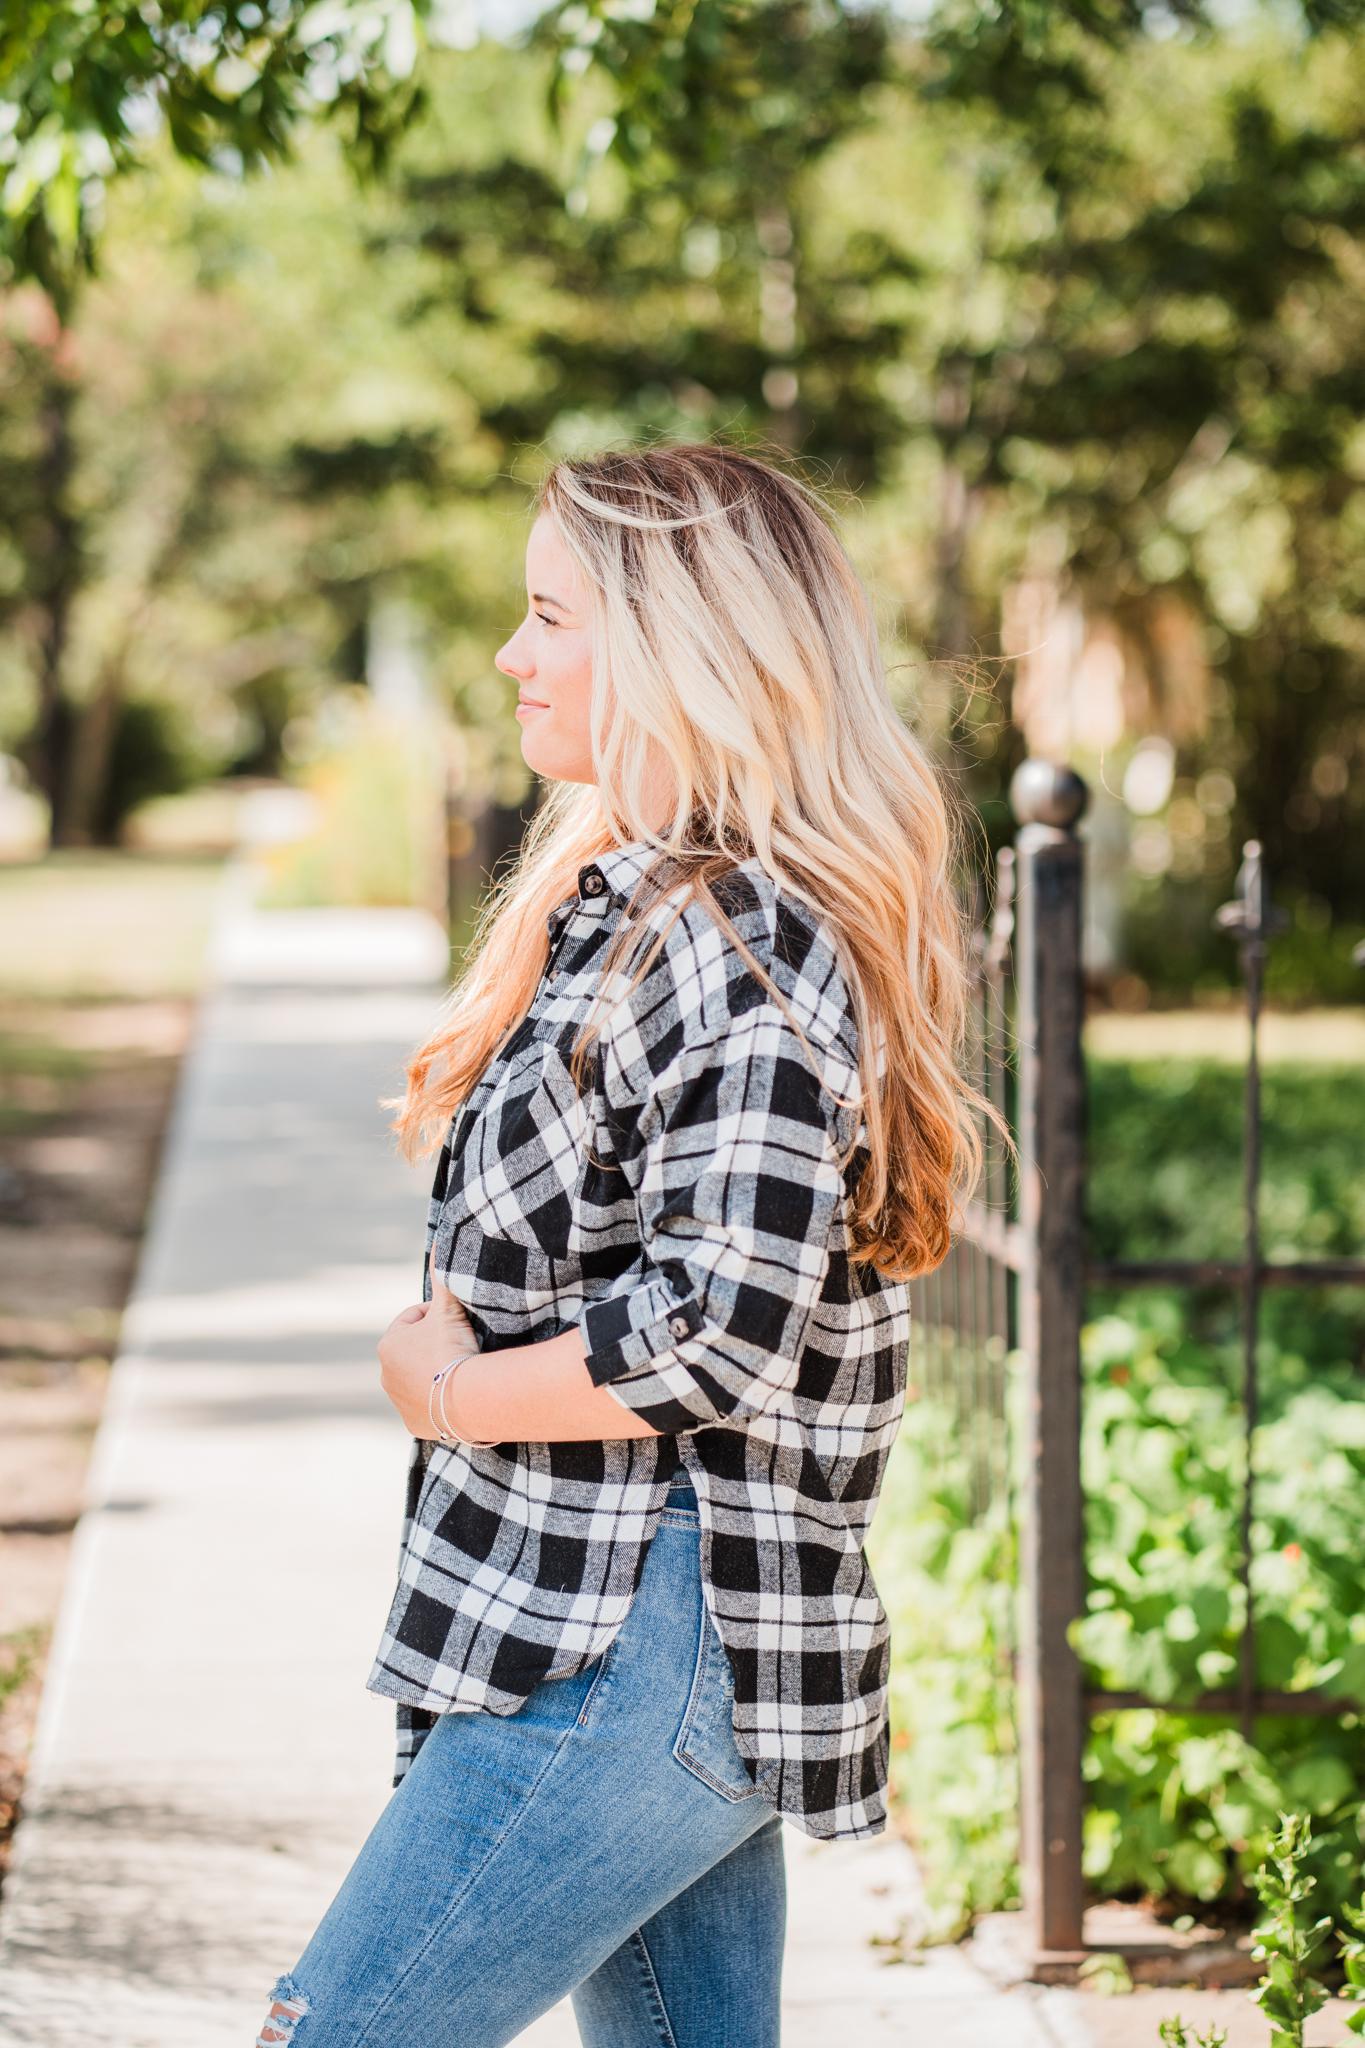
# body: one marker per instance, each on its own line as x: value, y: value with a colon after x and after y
x: 604, y: 1841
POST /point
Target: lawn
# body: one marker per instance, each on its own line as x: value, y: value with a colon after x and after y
x: 85, y: 923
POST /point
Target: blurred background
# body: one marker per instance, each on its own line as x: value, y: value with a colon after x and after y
x: 1062, y: 304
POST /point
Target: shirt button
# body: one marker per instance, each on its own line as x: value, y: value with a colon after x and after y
x: 678, y: 1325
x: 593, y: 884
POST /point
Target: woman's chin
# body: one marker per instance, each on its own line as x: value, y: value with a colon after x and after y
x: 552, y: 761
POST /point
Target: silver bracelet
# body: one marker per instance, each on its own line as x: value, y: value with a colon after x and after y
x: 444, y: 1433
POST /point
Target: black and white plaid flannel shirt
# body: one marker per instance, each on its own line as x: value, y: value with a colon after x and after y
x: 705, y: 1262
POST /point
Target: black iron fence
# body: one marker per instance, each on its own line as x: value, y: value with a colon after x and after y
x: 1016, y: 1282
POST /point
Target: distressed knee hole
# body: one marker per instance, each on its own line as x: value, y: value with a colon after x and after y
x: 288, y: 2006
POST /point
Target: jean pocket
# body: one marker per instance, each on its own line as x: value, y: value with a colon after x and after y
x: 705, y: 1744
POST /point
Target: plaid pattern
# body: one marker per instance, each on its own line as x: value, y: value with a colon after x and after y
x: 687, y: 1213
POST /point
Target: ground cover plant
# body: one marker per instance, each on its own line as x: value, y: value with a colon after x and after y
x: 1292, y: 1940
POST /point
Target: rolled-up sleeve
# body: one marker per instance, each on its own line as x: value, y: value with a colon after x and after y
x: 731, y: 1153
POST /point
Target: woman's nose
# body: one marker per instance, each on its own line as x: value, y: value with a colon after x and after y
x: 509, y: 662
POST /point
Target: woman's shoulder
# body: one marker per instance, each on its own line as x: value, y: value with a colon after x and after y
x: 699, y: 981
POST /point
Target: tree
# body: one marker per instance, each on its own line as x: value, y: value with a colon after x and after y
x: 82, y: 89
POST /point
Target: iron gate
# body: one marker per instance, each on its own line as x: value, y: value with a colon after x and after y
x: 1016, y: 1280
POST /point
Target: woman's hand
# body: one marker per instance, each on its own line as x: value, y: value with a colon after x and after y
x: 416, y: 1344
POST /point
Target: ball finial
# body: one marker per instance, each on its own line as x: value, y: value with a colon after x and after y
x: 1046, y: 793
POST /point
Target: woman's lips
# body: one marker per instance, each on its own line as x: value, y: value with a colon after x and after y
x: 526, y: 704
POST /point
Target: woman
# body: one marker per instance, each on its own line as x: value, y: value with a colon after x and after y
x: 701, y: 1093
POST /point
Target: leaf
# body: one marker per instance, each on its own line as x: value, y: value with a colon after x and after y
x: 1348, y: 1678
x: 1197, y: 1869
x: 1320, y: 1784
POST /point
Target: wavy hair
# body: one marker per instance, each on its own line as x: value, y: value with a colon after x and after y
x: 732, y: 635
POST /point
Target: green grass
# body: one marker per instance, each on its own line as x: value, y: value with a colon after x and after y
x: 19, y: 1654
x: 86, y: 924
x: 36, y: 1077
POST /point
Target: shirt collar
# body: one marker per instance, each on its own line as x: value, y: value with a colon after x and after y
x: 619, y: 869
x: 608, y: 878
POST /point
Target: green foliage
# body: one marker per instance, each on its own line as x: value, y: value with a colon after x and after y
x: 1107, y: 1973
x: 1054, y: 298
x: 1178, y: 1805
x: 1352, y: 1947
x: 20, y: 1650
x: 157, y: 751
x: 1184, y: 1804
x: 1288, y: 1993
x: 1176, y: 2034
x: 1168, y: 942
x: 1313, y: 960
x: 1164, y: 1145
x: 231, y: 79
x: 705, y: 86
x: 947, y: 1581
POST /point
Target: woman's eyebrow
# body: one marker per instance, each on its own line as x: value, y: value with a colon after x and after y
x: 540, y: 597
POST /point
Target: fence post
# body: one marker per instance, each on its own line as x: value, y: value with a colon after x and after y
x: 1047, y: 802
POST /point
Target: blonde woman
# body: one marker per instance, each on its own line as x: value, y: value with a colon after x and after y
x: 701, y: 1114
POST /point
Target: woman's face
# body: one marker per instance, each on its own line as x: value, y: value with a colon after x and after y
x: 550, y: 655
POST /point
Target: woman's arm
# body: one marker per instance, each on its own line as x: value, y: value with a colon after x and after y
x: 544, y: 1397
x: 731, y: 1152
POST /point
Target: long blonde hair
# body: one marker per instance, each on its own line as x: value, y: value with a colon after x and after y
x: 732, y: 634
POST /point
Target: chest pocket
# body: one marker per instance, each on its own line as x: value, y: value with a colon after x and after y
x: 511, y: 1209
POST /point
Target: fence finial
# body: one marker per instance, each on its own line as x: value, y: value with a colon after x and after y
x: 1047, y: 793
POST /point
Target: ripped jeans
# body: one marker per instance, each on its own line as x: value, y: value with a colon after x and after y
x: 605, y: 1842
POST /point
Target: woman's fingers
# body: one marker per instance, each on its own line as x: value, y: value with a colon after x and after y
x: 441, y: 1297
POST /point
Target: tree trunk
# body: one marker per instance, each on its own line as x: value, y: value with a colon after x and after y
x: 51, y: 743
x: 777, y: 333
x: 91, y: 751
x: 956, y: 509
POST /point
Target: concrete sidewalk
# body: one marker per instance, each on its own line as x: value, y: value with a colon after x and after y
x: 207, y: 1759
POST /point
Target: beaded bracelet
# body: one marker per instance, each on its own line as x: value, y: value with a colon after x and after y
x: 444, y: 1433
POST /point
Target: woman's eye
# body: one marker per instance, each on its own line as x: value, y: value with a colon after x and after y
x: 546, y: 622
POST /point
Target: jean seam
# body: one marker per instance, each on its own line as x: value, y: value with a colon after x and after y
x: 706, y: 1656
x: 653, y: 1990
x: 697, y: 1687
